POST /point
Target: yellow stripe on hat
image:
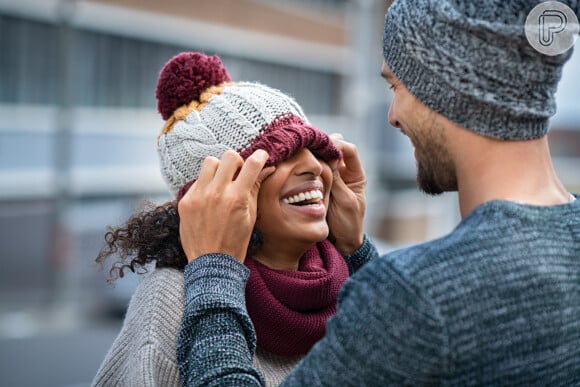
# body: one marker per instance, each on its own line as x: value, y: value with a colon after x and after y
x: 183, y: 111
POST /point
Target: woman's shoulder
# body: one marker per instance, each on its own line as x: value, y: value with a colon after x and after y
x: 148, y: 337
x: 159, y: 292
x: 160, y: 282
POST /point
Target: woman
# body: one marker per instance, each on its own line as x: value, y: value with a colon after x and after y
x: 295, y: 271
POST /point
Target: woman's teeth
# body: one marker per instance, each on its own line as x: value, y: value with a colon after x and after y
x: 304, y: 196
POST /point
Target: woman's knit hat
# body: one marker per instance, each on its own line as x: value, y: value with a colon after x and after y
x: 206, y: 114
x: 471, y: 62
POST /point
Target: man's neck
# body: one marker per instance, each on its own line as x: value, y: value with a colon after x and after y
x: 519, y: 171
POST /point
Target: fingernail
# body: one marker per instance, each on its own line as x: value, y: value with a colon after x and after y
x: 261, y: 154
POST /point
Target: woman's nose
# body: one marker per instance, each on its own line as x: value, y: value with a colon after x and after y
x: 308, y: 163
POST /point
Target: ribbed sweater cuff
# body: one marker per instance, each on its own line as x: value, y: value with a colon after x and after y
x: 216, y: 280
x: 362, y: 255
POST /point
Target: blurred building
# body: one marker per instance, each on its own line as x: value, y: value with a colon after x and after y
x: 78, y: 124
x: 78, y: 117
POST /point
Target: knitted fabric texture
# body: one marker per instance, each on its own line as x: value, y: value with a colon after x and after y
x: 207, y: 114
x: 289, y: 309
x: 144, y: 352
x: 184, y: 79
x: 471, y: 62
x: 281, y: 138
x: 215, y: 293
x: 494, y: 303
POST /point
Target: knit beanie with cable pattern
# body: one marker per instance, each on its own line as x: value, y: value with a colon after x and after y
x: 206, y: 114
x: 471, y: 62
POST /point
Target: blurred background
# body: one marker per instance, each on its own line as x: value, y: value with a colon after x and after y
x: 78, y: 125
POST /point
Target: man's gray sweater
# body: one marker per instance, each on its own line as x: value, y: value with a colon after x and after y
x: 495, y: 302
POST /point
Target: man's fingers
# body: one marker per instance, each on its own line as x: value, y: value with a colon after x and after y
x: 263, y: 175
x: 229, y: 165
x: 350, y: 156
x: 337, y: 181
x: 252, y: 169
x: 339, y: 190
x: 208, y: 170
x: 336, y: 136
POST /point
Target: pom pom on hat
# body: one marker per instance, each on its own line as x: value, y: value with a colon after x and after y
x: 185, y: 77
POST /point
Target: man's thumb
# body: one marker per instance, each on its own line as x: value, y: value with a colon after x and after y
x: 263, y: 175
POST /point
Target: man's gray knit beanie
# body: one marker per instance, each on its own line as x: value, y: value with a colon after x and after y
x: 471, y: 62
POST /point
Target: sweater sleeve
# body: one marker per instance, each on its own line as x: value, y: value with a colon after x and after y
x: 360, y: 257
x: 217, y: 340
x: 385, y: 331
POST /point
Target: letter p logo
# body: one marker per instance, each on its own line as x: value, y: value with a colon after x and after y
x: 551, y: 22
x: 551, y: 27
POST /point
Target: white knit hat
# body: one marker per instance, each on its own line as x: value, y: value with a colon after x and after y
x: 206, y: 114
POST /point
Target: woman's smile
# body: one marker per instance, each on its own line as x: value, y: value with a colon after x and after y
x: 292, y: 205
x: 306, y: 198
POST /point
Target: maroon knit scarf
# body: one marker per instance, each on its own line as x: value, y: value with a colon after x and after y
x: 289, y: 308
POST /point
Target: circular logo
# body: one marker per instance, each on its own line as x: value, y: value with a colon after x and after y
x: 552, y: 27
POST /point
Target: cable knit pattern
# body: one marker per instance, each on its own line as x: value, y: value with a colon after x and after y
x: 494, y: 303
x: 287, y: 133
x: 441, y: 51
x: 207, y: 115
x: 144, y: 352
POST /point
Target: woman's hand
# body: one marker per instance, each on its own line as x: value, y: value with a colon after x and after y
x: 218, y: 212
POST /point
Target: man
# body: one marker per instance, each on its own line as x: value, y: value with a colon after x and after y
x: 495, y: 302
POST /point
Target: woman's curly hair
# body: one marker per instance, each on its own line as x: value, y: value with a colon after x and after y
x: 151, y: 235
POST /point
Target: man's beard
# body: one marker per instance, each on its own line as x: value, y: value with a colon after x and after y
x: 437, y: 174
x: 435, y: 167
x: 427, y: 182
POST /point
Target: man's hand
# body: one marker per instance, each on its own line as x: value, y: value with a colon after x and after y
x: 218, y: 212
x: 348, y: 201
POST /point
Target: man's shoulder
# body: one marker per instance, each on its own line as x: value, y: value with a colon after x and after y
x: 415, y: 256
x: 494, y: 236
x: 434, y: 261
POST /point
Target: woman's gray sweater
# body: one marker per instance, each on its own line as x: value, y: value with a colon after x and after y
x: 144, y: 352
